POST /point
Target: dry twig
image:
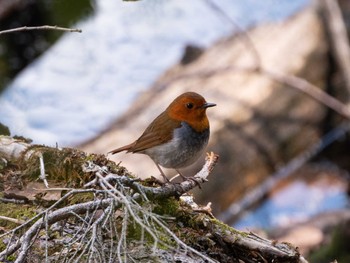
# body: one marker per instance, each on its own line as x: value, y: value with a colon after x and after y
x: 46, y: 27
x: 13, y: 220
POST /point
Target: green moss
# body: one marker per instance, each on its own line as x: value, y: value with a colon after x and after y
x: 2, y: 245
x: 136, y: 233
x: 4, y: 130
x: 225, y: 227
x: 81, y: 198
x: 21, y: 212
x: 64, y: 166
x: 11, y: 258
x: 2, y: 248
x: 167, y: 206
x: 68, y: 12
x: 3, y: 163
x: 22, y: 138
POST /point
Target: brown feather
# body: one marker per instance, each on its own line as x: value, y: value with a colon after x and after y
x: 155, y: 134
x: 124, y: 148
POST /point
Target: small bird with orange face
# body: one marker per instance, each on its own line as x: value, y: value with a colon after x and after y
x: 178, y: 136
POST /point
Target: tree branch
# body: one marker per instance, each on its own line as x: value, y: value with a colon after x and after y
x: 164, y: 191
x: 46, y: 27
x: 309, y: 89
x: 58, y: 215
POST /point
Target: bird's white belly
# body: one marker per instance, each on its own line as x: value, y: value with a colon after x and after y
x: 183, y: 150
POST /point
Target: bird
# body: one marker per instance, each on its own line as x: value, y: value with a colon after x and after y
x: 177, y: 137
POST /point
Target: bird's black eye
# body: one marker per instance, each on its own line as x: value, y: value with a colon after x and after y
x: 189, y: 105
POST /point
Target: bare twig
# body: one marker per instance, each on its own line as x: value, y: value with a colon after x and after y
x: 46, y: 27
x: 130, y: 206
x: 313, y: 91
x: 46, y: 238
x: 115, y: 193
x: 62, y: 199
x: 13, y: 220
x: 42, y: 175
x: 51, y: 218
x: 14, y: 201
x: 158, y: 192
x: 54, y: 189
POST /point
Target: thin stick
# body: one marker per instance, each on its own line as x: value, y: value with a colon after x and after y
x: 13, y: 220
x: 46, y: 27
x: 313, y: 91
x: 42, y: 175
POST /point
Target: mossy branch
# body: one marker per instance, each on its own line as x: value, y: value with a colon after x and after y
x: 120, y: 218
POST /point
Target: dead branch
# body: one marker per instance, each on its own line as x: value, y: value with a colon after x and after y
x: 14, y: 220
x: 25, y: 241
x: 46, y: 27
x: 56, y: 204
x: 164, y: 191
x: 42, y: 170
x: 116, y: 193
x: 309, y: 89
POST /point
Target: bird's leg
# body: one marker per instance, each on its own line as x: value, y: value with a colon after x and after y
x: 184, y: 178
x: 162, y: 173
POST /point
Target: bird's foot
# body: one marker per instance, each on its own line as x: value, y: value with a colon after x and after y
x: 193, y: 179
x: 185, y: 178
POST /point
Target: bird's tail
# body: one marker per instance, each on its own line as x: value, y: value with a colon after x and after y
x: 124, y: 148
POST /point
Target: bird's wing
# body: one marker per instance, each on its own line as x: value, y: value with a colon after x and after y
x: 156, y: 133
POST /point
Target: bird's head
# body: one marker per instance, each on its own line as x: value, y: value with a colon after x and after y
x: 190, y: 107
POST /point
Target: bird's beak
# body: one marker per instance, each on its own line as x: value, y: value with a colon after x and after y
x: 208, y: 104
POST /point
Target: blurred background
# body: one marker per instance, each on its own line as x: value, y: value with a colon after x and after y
x: 284, y: 157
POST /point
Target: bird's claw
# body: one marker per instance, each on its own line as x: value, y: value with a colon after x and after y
x: 193, y: 179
